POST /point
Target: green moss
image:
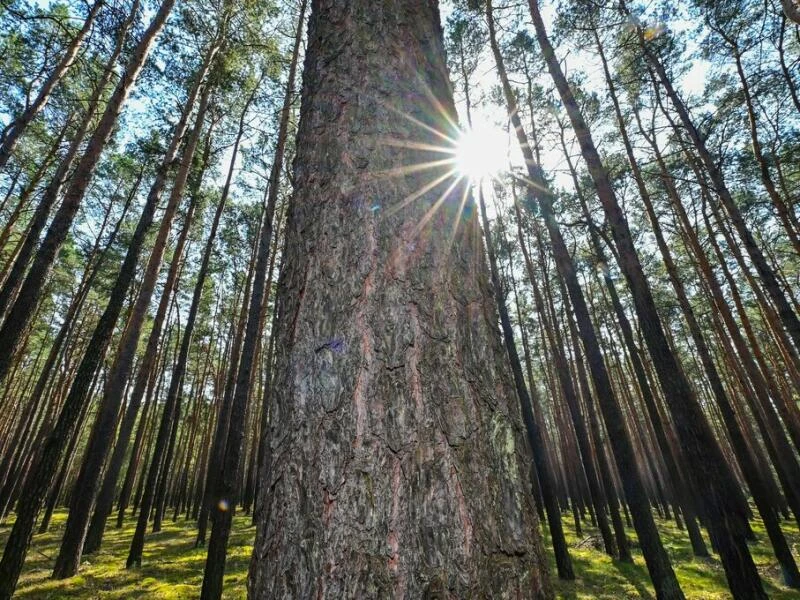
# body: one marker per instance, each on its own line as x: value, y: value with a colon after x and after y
x: 598, y: 576
x: 172, y: 568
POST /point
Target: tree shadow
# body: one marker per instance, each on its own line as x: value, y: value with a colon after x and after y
x: 637, y: 576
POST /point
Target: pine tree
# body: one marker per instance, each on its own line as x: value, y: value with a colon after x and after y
x: 374, y: 420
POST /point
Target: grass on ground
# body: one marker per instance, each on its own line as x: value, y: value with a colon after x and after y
x: 173, y: 569
x: 599, y: 576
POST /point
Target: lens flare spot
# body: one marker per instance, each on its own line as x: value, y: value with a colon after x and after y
x: 652, y: 33
x: 223, y: 505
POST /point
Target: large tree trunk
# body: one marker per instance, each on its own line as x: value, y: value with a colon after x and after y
x: 396, y: 464
x: 792, y: 10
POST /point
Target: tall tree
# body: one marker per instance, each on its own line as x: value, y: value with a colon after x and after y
x: 28, y: 243
x: 19, y: 123
x: 393, y: 401
x: 723, y: 513
x: 27, y: 300
x: 225, y: 492
x: 465, y: 35
x: 658, y: 562
x: 101, y: 437
x: 766, y: 272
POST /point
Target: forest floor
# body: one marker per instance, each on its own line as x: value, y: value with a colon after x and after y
x: 173, y: 568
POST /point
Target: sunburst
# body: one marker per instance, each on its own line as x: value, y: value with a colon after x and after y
x: 457, y: 160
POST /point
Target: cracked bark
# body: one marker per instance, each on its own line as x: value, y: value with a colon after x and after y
x: 395, y: 464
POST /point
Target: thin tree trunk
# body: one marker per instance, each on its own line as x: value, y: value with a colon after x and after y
x: 146, y: 422
x: 38, y: 395
x: 534, y: 435
x: 782, y: 460
x: 102, y: 434
x: 19, y: 539
x: 658, y: 563
x: 58, y: 484
x: 784, y: 212
x: 667, y: 451
x: 787, y: 75
x: 28, y: 298
x: 28, y: 244
x: 765, y: 271
x: 22, y: 203
x: 226, y: 490
x: 711, y: 476
x: 172, y: 403
x: 541, y: 473
x: 595, y: 438
x: 223, y: 414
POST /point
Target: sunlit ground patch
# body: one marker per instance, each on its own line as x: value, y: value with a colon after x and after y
x: 173, y: 568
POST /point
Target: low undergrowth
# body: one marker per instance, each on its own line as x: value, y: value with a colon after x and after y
x: 172, y: 568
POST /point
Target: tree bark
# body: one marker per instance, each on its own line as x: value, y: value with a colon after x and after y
x: 792, y: 10
x: 394, y: 453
